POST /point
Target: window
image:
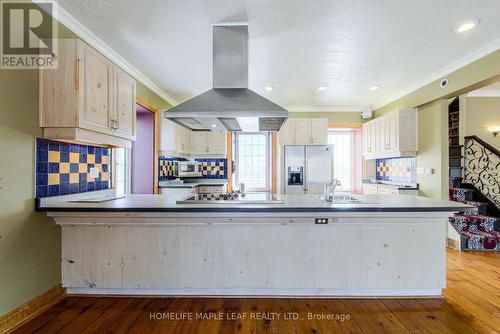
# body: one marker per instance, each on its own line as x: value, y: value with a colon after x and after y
x: 343, y: 157
x: 121, y: 171
x: 252, y: 161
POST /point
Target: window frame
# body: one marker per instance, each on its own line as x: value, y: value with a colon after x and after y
x: 352, y: 161
x: 268, y: 173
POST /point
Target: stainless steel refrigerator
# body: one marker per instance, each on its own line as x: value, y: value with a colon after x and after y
x: 307, y: 168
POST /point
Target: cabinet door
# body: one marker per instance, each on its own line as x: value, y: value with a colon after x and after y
x: 216, y: 142
x: 95, y: 100
x: 286, y: 132
x: 393, y: 131
x: 125, y: 110
x: 180, y: 139
x: 370, y: 137
x: 364, y: 137
x: 302, y: 130
x: 167, y: 134
x: 200, y: 142
x: 382, y: 134
x: 186, y: 140
x: 319, y: 130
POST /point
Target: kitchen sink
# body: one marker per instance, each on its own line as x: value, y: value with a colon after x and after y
x: 344, y: 199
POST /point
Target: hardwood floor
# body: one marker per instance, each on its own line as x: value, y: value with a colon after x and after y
x: 471, y: 304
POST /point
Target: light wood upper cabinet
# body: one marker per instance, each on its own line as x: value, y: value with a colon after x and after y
x: 199, y: 142
x: 178, y: 140
x: 96, y: 96
x: 87, y: 98
x: 216, y: 142
x: 391, y: 135
x: 124, y: 105
x: 319, y: 130
x: 304, y: 131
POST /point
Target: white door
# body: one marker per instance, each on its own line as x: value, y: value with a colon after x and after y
x: 318, y: 168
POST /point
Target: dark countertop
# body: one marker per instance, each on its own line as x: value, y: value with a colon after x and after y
x: 291, y: 203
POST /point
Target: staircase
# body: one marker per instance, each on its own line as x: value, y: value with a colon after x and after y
x: 480, y: 164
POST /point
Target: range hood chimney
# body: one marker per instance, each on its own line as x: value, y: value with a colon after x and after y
x: 230, y: 105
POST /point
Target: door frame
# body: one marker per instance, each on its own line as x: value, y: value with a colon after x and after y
x: 156, y: 141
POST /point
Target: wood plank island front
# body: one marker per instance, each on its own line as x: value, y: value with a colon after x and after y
x: 385, y: 245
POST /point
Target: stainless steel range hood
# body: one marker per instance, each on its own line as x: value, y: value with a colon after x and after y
x: 230, y: 105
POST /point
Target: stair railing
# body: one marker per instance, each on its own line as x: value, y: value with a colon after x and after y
x: 482, y: 167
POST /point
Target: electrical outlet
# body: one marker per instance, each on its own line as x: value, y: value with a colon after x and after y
x: 321, y: 221
x: 94, y: 172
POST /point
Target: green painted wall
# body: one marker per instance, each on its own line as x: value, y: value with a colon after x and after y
x: 478, y: 74
x: 480, y: 113
x: 433, y: 149
x: 333, y: 117
x: 30, y: 243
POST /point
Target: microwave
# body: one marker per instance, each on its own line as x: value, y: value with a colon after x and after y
x: 187, y: 168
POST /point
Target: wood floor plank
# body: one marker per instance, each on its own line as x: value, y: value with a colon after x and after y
x: 470, y: 304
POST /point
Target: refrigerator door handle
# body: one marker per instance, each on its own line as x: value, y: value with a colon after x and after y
x: 305, y: 174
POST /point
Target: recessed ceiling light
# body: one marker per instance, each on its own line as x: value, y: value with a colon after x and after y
x: 374, y: 87
x: 214, y: 125
x: 268, y: 88
x: 466, y: 26
x: 322, y: 88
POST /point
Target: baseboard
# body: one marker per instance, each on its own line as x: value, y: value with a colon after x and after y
x: 453, y: 244
x: 254, y: 293
x: 30, y: 309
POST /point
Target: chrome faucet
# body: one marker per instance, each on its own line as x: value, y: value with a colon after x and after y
x: 330, y: 188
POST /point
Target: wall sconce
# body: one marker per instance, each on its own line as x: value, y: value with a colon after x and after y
x: 494, y: 129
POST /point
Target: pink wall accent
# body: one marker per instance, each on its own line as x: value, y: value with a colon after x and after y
x: 143, y: 153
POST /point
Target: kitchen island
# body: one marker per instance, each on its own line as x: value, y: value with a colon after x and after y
x: 383, y: 245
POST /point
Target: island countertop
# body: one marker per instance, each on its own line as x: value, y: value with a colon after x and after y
x: 291, y: 203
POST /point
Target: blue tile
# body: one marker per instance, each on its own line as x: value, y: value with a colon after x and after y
x: 83, y: 149
x: 89, y: 166
x: 104, y: 151
x: 83, y: 157
x: 74, y: 188
x: 82, y: 177
x: 64, y: 156
x: 73, y: 168
x: 42, y: 167
x: 53, y: 146
x: 53, y: 167
x: 64, y: 178
x: 91, y: 150
x: 54, y: 190
x: 42, y: 156
x: 64, y: 189
x: 42, y: 191
x: 83, y: 183
x: 90, y: 186
x: 105, y: 168
x: 104, y: 185
x: 97, y: 184
x: 98, y: 158
x: 74, y: 148
x: 64, y: 147
x: 42, y: 179
x: 42, y: 144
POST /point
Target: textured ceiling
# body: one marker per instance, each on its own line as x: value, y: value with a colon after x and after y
x: 295, y: 46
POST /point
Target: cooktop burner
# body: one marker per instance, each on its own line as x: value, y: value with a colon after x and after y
x: 251, y: 198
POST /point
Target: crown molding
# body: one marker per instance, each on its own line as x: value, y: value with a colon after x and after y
x: 462, y: 62
x: 328, y: 109
x: 484, y: 93
x: 85, y: 34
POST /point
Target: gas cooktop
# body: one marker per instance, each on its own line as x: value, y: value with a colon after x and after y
x: 252, y: 198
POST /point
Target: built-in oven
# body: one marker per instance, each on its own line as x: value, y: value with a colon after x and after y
x: 187, y: 168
